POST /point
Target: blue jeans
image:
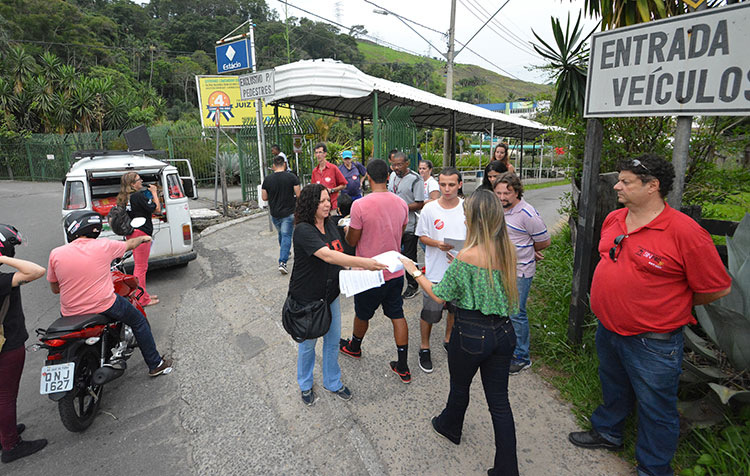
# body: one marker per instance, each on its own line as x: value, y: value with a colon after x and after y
x: 521, y: 322
x: 306, y: 356
x: 644, y: 372
x: 484, y: 343
x: 126, y: 313
x: 284, y: 226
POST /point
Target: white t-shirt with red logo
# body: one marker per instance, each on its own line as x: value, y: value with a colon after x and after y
x: 438, y: 223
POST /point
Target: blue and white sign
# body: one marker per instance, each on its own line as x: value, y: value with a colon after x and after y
x: 233, y: 56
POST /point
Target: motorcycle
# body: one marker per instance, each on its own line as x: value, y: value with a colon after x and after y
x: 85, y: 353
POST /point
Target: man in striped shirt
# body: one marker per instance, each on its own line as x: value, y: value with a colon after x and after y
x: 528, y: 232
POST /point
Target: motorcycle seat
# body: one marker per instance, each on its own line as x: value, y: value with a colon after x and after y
x: 76, y: 323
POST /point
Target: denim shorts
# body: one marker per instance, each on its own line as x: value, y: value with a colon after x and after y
x: 388, y: 295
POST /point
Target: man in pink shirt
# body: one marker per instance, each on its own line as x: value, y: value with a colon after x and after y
x: 377, y: 222
x: 80, y: 273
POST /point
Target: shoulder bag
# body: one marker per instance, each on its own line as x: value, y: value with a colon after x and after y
x: 306, y: 321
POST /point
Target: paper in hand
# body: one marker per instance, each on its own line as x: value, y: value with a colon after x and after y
x: 392, y: 259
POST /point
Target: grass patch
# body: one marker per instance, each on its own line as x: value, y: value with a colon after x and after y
x: 537, y: 186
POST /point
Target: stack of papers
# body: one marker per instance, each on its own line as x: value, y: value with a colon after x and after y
x: 356, y: 281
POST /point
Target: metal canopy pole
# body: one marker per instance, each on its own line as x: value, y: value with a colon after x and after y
x: 362, y: 139
x: 453, y: 139
x: 520, y: 163
x: 375, y: 127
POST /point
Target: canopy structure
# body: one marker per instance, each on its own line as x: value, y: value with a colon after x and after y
x: 335, y: 86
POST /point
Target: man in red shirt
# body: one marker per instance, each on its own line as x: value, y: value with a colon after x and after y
x: 656, y: 264
x: 327, y: 174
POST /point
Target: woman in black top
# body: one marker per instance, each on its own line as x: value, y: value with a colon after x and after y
x: 318, y: 258
x: 12, y: 352
x: 140, y: 202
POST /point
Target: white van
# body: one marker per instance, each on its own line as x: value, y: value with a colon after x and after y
x: 93, y: 183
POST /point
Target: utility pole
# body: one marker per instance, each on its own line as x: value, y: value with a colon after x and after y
x: 447, y: 142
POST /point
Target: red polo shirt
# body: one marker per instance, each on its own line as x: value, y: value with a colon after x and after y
x: 330, y: 177
x: 658, y: 269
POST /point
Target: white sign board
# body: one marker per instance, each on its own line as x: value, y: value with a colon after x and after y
x: 695, y: 64
x: 257, y: 85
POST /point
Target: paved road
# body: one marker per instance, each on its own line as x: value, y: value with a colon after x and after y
x: 232, y: 405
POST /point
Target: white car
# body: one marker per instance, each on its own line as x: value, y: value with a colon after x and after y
x: 93, y: 183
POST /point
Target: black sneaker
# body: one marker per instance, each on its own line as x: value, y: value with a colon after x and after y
x: 309, y: 397
x: 592, y: 439
x: 344, y: 393
x: 20, y: 428
x: 22, y: 449
x: 346, y: 349
x: 410, y: 292
x: 453, y: 440
x: 516, y: 366
x: 282, y: 268
x: 404, y: 375
x: 445, y: 346
x: 425, y: 362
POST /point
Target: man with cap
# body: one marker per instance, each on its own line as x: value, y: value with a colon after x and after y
x: 354, y: 173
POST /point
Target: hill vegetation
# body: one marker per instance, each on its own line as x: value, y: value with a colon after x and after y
x: 89, y: 65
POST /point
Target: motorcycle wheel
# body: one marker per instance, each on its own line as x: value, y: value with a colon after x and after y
x: 79, y: 407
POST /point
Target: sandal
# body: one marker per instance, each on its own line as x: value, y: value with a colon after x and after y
x: 152, y: 302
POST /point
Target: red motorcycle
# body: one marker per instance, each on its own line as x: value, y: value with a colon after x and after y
x: 85, y: 353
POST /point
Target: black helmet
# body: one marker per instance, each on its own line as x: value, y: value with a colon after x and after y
x: 10, y: 237
x: 82, y: 223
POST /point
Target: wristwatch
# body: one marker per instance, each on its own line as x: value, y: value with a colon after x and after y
x: 416, y: 274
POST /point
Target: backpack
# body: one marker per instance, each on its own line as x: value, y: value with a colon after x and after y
x: 119, y: 221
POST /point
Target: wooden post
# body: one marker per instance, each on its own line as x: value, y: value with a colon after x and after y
x: 585, y: 230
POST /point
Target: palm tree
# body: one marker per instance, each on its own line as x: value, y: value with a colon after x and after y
x: 43, y: 100
x: 61, y: 116
x: 617, y: 13
x: 66, y: 79
x: 49, y: 66
x: 20, y: 65
x: 567, y: 65
x: 8, y: 102
x: 82, y: 105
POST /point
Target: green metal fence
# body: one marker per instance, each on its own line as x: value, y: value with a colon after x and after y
x: 281, y: 133
x: 400, y: 132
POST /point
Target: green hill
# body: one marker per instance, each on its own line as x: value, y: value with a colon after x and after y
x: 472, y: 83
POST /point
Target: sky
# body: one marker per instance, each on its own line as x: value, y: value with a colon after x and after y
x: 503, y: 46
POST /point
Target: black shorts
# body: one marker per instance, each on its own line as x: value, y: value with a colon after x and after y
x: 388, y: 295
x: 432, y: 312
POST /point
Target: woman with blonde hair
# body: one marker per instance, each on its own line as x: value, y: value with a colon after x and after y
x: 481, y: 283
x: 140, y: 202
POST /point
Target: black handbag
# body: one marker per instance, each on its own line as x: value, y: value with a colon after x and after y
x: 307, y: 321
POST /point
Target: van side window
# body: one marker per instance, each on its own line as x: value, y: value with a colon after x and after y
x: 75, y: 197
x: 174, y: 186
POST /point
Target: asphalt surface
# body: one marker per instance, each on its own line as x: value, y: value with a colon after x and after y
x: 232, y: 405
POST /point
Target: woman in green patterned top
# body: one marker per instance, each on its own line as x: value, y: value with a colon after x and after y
x: 481, y: 282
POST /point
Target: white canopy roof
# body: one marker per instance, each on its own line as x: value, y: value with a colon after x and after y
x: 335, y: 86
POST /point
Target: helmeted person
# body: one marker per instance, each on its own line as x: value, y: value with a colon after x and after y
x: 80, y: 273
x: 12, y: 339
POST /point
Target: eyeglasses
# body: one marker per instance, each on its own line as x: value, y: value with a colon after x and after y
x: 614, y: 252
x: 638, y: 163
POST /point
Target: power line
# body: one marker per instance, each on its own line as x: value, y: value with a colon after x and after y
x: 511, y: 41
x: 463, y: 45
x: 523, y: 42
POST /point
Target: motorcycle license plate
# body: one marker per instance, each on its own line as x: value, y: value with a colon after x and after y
x: 57, y: 378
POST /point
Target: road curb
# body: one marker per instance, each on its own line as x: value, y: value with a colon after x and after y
x: 220, y: 226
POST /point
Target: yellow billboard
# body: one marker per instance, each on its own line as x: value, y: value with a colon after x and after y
x: 221, y: 95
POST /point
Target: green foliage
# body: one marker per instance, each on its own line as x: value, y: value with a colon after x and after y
x: 568, y: 63
x: 720, y: 451
x: 711, y: 185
